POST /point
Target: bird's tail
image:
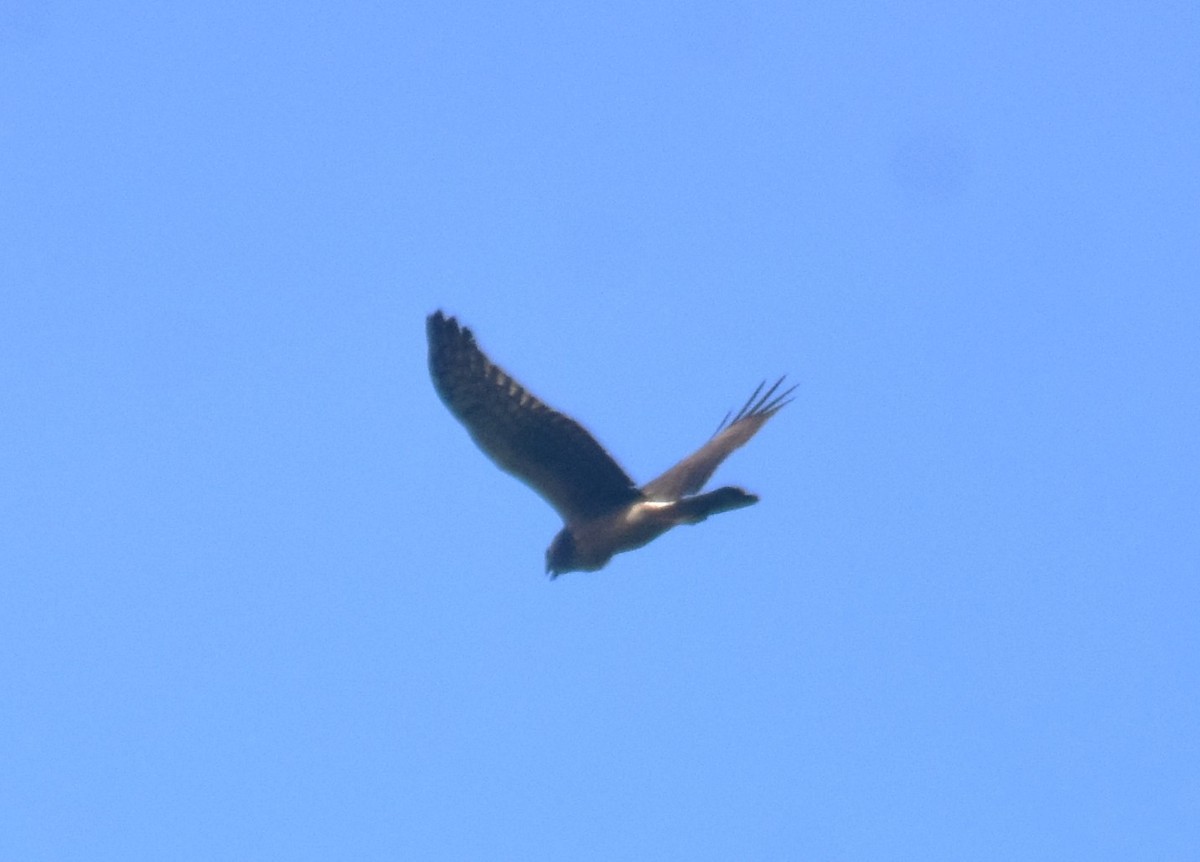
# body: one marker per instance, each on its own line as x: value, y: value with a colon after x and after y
x: 693, y: 510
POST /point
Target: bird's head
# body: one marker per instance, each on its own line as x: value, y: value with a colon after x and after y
x: 563, y: 556
x: 560, y: 556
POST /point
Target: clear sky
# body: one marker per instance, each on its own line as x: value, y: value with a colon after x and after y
x: 262, y: 598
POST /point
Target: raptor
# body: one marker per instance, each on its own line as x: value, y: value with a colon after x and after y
x: 603, y: 511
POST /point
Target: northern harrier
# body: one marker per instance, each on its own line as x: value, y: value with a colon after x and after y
x: 603, y: 512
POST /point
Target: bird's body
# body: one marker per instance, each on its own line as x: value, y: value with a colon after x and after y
x: 603, y: 512
x: 596, y: 540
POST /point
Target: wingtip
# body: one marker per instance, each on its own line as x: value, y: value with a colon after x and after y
x: 783, y: 399
x: 760, y: 403
x: 440, y: 326
x: 436, y: 323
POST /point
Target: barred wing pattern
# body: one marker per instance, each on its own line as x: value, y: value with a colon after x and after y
x: 548, y: 451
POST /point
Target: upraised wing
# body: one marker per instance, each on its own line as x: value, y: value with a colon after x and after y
x: 548, y: 451
x: 690, y: 474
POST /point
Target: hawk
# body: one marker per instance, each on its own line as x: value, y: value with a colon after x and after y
x: 603, y: 511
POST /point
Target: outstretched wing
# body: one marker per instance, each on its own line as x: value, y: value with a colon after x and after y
x: 690, y: 474
x: 549, y: 452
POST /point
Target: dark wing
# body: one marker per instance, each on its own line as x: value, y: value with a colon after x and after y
x: 549, y: 452
x: 690, y: 474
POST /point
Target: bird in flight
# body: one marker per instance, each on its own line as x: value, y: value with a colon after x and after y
x: 603, y: 511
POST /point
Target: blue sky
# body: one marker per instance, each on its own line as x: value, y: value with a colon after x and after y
x: 262, y: 598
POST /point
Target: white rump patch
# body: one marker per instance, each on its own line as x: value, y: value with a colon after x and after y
x: 640, y: 510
